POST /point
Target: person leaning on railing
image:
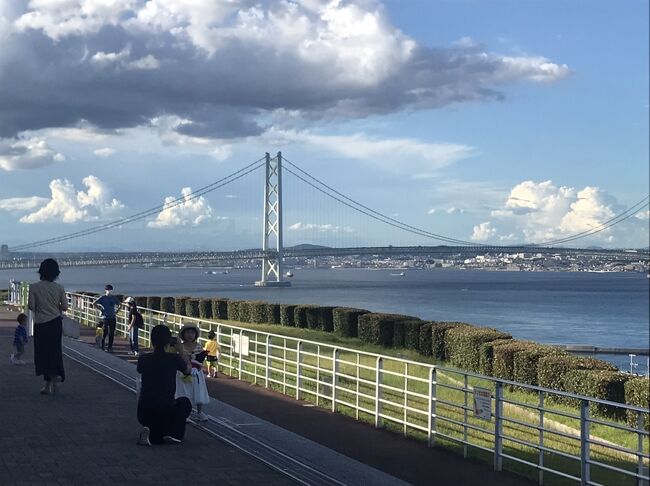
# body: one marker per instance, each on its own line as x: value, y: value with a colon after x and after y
x: 47, y: 301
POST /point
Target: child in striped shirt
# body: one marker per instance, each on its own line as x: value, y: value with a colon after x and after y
x: 20, y: 339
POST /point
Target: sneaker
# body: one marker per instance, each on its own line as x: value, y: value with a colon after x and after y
x: 143, y: 439
x: 201, y: 417
x: 12, y: 359
x: 168, y: 439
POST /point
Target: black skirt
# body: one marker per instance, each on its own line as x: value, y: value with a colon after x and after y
x: 48, y: 356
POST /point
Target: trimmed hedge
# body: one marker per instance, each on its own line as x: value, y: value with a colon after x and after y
x: 399, y: 330
x: 167, y: 305
x: 526, y: 362
x: 637, y: 392
x: 141, y: 302
x: 287, y: 315
x: 503, y: 364
x: 438, y: 338
x: 233, y: 309
x: 412, y: 334
x: 179, y: 305
x: 378, y: 328
x: 320, y: 317
x: 346, y: 320
x: 424, y: 344
x: 463, y: 345
x: 486, y: 355
x: 192, y: 307
x: 552, y: 368
x: 255, y: 311
x: 220, y: 308
x: 602, y: 384
x: 153, y: 302
x: 205, y: 308
x: 300, y: 315
x: 272, y: 313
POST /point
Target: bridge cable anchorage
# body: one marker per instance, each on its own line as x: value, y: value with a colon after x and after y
x: 421, y: 232
x: 151, y: 211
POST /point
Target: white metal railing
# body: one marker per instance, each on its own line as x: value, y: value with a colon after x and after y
x: 529, y: 427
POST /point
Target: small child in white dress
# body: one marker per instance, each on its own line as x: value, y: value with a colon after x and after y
x: 192, y: 386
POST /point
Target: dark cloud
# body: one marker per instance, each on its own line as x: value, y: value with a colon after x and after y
x: 226, y: 70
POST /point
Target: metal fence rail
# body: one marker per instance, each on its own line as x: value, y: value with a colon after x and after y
x: 547, y: 434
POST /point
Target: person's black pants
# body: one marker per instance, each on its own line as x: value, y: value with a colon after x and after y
x: 109, y: 330
x: 164, y: 421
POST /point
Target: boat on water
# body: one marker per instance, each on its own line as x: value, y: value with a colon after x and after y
x: 400, y: 274
x: 288, y: 274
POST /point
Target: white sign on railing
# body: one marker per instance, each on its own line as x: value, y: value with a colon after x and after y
x: 482, y: 403
x: 240, y: 344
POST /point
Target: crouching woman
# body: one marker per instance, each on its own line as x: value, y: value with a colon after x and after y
x: 162, y: 417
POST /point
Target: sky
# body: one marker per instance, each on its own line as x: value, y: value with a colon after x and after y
x: 497, y: 122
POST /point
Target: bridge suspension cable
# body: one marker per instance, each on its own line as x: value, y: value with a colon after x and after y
x: 148, y: 212
x: 357, y: 206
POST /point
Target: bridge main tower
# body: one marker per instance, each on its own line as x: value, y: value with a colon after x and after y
x: 272, y: 275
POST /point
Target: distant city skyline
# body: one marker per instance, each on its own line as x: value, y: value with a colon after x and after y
x: 492, y: 122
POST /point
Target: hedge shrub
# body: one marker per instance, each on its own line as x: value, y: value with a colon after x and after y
x: 179, y: 305
x: 205, y: 308
x: 256, y: 311
x: 637, y: 392
x: 552, y: 368
x: 141, y: 302
x: 602, y: 384
x: 300, y: 315
x: 526, y: 362
x: 346, y: 319
x: 424, y: 344
x: 503, y: 364
x: 272, y: 313
x: 233, y: 308
x: 320, y: 317
x: 167, y: 305
x: 378, y: 328
x: 399, y: 330
x: 287, y: 315
x: 412, y: 334
x: 463, y: 343
x: 438, y: 338
x: 192, y: 307
x: 220, y: 308
x: 153, y: 302
x: 486, y: 355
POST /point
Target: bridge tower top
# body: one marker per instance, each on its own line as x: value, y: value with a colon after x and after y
x: 272, y: 227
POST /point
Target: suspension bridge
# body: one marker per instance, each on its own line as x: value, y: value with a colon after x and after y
x: 274, y: 251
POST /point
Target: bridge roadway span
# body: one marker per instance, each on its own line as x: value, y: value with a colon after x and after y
x: 103, y: 259
x: 86, y: 435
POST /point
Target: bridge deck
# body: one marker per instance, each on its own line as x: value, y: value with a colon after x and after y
x: 87, y: 434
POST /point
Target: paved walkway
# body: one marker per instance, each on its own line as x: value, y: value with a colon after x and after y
x: 86, y: 435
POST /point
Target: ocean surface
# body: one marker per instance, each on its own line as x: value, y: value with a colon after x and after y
x: 601, y: 309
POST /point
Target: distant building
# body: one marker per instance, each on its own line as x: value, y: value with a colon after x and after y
x: 4, y: 252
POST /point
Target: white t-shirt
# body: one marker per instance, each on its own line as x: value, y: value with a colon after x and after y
x: 46, y: 300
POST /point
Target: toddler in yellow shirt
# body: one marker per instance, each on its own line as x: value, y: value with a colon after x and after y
x: 214, y: 353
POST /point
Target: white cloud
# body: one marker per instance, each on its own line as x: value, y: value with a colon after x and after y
x: 643, y: 215
x: 22, y: 203
x: 70, y: 206
x: 483, y: 232
x: 454, y: 210
x: 182, y: 212
x: 542, y: 211
x: 431, y: 211
x: 104, y: 152
x: 390, y: 154
x: 26, y: 153
x: 320, y: 228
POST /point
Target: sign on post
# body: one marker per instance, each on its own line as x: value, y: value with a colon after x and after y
x: 483, y: 403
x: 240, y: 344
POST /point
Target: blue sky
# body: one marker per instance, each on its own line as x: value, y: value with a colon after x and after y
x: 487, y: 121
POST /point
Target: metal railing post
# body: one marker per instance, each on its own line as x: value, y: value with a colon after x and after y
x: 267, y: 372
x: 378, y: 393
x: 584, y: 442
x: 498, y: 426
x: 540, y: 459
x: 298, y: 370
x: 431, y: 420
x: 335, y: 377
x: 241, y: 339
x: 641, y: 468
